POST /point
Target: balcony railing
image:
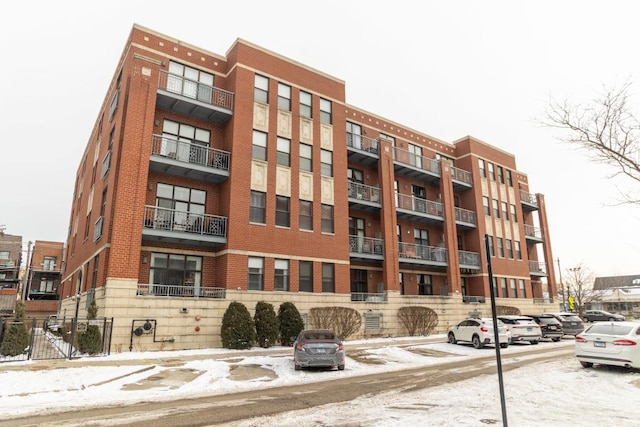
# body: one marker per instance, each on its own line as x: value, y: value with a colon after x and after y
x: 368, y: 297
x: 189, y: 152
x: 466, y: 216
x: 364, y: 192
x: 422, y: 252
x: 538, y: 268
x: 548, y: 300
x: 532, y: 232
x: 181, y: 291
x: 473, y: 298
x: 187, y: 222
x: 363, y: 143
x: 530, y: 201
x: 419, y: 162
x: 469, y: 259
x: 366, y: 245
x: 195, y: 90
x: 419, y: 205
x: 461, y: 175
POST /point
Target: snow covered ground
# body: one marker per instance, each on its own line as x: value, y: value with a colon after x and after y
x: 556, y: 393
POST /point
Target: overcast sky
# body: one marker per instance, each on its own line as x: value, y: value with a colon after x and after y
x: 446, y: 69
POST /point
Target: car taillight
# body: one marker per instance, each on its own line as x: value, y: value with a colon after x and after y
x: 624, y: 342
x: 580, y: 339
x: 299, y: 347
x: 484, y: 329
x: 340, y: 347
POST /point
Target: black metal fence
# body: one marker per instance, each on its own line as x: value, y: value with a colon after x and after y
x: 54, y: 338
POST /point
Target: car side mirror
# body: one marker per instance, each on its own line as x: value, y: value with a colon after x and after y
x: 293, y: 339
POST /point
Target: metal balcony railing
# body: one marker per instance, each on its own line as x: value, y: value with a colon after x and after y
x: 364, y: 192
x: 464, y: 215
x: 192, y: 89
x: 362, y: 143
x: 420, y: 162
x: 189, y: 152
x: 468, y: 259
x: 461, y: 175
x: 366, y: 245
x: 422, y: 252
x: 417, y: 204
x: 528, y: 198
x: 548, y: 300
x: 473, y: 298
x: 368, y: 297
x: 532, y: 231
x: 186, y: 222
x: 181, y: 291
x: 538, y: 267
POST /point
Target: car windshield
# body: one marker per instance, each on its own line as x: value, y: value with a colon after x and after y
x: 548, y: 320
x: 524, y: 321
x: 609, y: 329
x: 572, y: 318
x: 316, y: 336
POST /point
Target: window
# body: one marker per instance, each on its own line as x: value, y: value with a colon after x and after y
x: 496, y: 211
x: 184, y: 142
x: 509, y: 178
x: 509, y: 248
x: 483, y: 172
x: 517, y: 248
x: 261, y: 89
x: 114, y: 104
x: 94, y: 276
x: 306, y: 215
x: 354, y: 135
x: 328, y: 277
x: 306, y: 159
x: 500, y: 175
x: 523, y: 291
x: 500, y: 247
x: 283, y: 155
x: 49, y: 263
x: 485, y: 205
x: 503, y: 287
x: 327, y: 219
x: 415, y: 155
x: 505, y: 212
x: 190, y: 82
x: 259, y: 151
x: 325, y: 111
x: 281, y: 275
x: 424, y: 284
x: 514, y: 217
x: 284, y: 97
x: 491, y: 250
x: 306, y: 276
x: 305, y: 104
x: 256, y: 272
x: 512, y: 284
x: 106, y: 164
x: 282, y: 211
x: 355, y: 175
x: 257, y: 208
x: 176, y: 271
x: 179, y: 207
x: 492, y: 174
x: 326, y: 163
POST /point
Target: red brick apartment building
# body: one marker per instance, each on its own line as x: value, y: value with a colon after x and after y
x: 44, y: 274
x: 247, y: 177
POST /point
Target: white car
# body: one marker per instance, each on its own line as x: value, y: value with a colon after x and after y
x: 522, y: 328
x: 479, y: 332
x: 609, y: 343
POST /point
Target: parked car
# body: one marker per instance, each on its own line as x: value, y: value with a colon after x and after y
x: 522, y: 328
x: 571, y: 323
x: 601, y: 315
x: 549, y: 326
x: 479, y: 332
x: 609, y: 343
x: 320, y: 348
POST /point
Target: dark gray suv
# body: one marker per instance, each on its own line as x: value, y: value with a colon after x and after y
x: 571, y: 323
x: 550, y: 326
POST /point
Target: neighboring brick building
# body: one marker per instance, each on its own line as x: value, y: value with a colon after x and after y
x: 44, y: 276
x: 10, y: 260
x: 209, y: 179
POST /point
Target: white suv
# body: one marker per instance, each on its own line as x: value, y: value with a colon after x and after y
x: 522, y: 328
x: 478, y: 331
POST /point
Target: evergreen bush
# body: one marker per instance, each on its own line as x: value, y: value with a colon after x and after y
x: 238, y: 331
x: 290, y: 323
x: 266, y: 322
x: 90, y: 341
x: 16, y: 337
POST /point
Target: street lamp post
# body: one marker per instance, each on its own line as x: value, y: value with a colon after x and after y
x: 577, y: 284
x: 561, y: 286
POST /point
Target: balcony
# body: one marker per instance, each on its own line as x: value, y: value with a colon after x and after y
x: 188, y: 160
x: 433, y: 256
x: 469, y: 260
x: 173, y: 226
x: 180, y: 291
x: 414, y: 166
x: 366, y: 248
x: 364, y: 197
x: 465, y: 218
x: 461, y: 179
x: 362, y: 150
x: 194, y: 99
x: 369, y: 297
x: 529, y: 201
x: 533, y: 234
x: 538, y: 269
x: 474, y: 299
x: 417, y: 209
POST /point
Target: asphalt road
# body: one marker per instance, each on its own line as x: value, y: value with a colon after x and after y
x: 214, y: 410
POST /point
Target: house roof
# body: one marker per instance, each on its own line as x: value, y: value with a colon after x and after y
x: 602, y: 283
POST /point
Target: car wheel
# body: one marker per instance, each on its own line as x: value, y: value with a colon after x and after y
x: 586, y: 364
x: 296, y: 367
x: 452, y: 338
x: 476, y: 342
x: 504, y: 345
x: 535, y: 342
x: 555, y: 339
x: 611, y: 319
x: 340, y: 367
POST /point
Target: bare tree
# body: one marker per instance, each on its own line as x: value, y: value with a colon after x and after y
x: 579, y: 284
x: 605, y: 128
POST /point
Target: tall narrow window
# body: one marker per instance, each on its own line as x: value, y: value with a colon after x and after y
x: 306, y: 159
x: 325, y: 111
x: 261, y: 89
x: 257, y: 208
x: 509, y: 178
x: 424, y: 284
x: 483, y: 171
x: 415, y: 155
x: 500, y: 247
x: 512, y: 285
x: 492, y: 252
x: 281, y: 275
x: 523, y: 291
x: 284, y: 97
x: 326, y: 163
x: 328, y: 277
x: 514, y: 217
x: 485, y: 205
x: 282, y: 211
x: 500, y: 175
x: 505, y: 212
x: 327, y: 218
x: 306, y: 215
x: 305, y: 283
x: 259, y: 150
x: 496, y: 210
x: 516, y: 243
x: 305, y: 104
x: 283, y: 153
x: 509, y: 248
x: 256, y: 271
x: 354, y: 135
x: 503, y: 287
x: 492, y: 174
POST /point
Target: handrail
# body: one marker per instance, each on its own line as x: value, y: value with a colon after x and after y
x: 366, y: 245
x: 361, y: 142
x: 417, y: 161
x: 360, y: 191
x: 174, y: 220
x: 180, y: 291
x: 423, y: 252
x: 532, y: 231
x: 417, y: 204
x: 529, y: 198
x: 465, y: 215
x: 369, y: 297
x: 469, y: 258
x: 192, y: 89
x: 461, y: 175
x: 190, y: 152
x: 537, y: 267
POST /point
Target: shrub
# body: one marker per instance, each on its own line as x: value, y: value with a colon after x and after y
x: 90, y: 341
x: 343, y: 321
x: 418, y: 320
x: 16, y: 338
x: 237, y: 330
x: 505, y: 310
x: 266, y: 322
x: 290, y: 322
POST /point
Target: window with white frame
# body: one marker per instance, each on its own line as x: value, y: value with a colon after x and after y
x: 481, y: 166
x: 492, y: 174
x: 175, y: 271
x: 306, y: 215
x: 326, y: 163
x: 503, y: 287
x: 512, y: 285
x: 514, y: 217
x: 261, y: 89
x: 523, y: 291
x: 305, y: 281
x: 190, y: 82
x: 284, y: 97
x: 509, y: 248
x: 283, y: 154
x: 305, y: 104
x: 281, y: 275
x: 257, y: 207
x: 327, y: 218
x: 306, y: 158
x: 328, y: 277
x: 256, y: 274
x: 516, y: 244
x: 282, y: 211
x: 49, y: 263
x: 179, y: 207
x: 325, y: 111
x: 500, y: 247
x: 185, y: 142
x: 259, y: 148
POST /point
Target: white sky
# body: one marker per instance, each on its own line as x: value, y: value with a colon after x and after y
x: 447, y: 69
x: 553, y: 393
